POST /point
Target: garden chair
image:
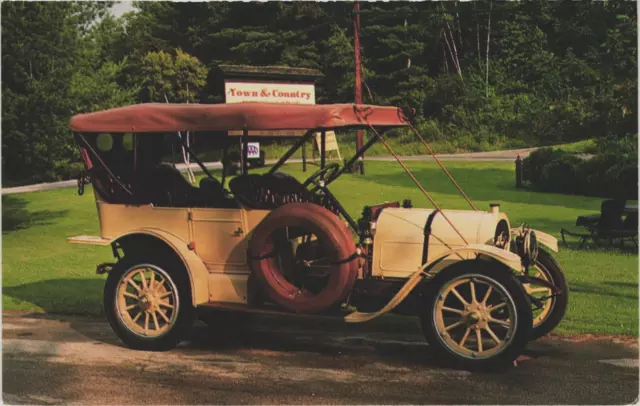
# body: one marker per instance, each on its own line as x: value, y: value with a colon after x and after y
x: 609, y: 225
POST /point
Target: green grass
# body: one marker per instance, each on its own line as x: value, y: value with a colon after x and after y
x: 403, y: 145
x: 579, y: 147
x: 42, y: 272
x: 347, y: 144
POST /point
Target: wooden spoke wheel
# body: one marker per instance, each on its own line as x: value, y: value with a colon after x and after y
x: 542, y: 293
x: 476, y: 314
x: 148, y: 302
x: 554, y: 307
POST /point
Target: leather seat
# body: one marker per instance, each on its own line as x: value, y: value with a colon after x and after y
x: 165, y: 186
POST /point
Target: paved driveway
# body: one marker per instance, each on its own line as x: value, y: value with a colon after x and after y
x: 53, y: 360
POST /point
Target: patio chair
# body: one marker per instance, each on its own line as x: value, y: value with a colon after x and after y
x: 608, y: 225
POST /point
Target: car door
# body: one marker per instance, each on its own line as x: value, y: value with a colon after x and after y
x: 220, y: 238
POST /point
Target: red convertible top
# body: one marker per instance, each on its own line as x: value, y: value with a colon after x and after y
x: 158, y: 117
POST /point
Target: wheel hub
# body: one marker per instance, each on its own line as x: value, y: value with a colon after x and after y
x: 476, y: 315
x: 143, y: 303
x: 149, y: 301
x: 473, y: 317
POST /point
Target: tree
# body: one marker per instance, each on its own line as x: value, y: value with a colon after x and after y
x: 39, y: 43
x: 99, y: 89
x: 180, y: 78
x: 54, y: 66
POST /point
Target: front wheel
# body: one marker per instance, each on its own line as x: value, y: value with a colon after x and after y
x: 148, y: 303
x: 476, y: 314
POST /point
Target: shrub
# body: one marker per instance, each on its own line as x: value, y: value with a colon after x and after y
x: 614, y: 144
x: 533, y: 164
x: 611, y: 174
x: 561, y: 174
x: 69, y: 170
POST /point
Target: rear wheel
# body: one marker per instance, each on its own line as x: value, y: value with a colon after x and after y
x: 476, y: 314
x: 148, y: 303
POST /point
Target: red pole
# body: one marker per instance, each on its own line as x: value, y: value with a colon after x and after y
x: 358, y: 84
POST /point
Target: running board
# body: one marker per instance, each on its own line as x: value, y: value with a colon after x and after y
x: 89, y: 240
x: 267, y: 310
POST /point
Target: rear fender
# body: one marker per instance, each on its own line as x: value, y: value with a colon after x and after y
x: 196, y: 270
x: 507, y: 258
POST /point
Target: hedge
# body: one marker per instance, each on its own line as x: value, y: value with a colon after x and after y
x: 608, y: 175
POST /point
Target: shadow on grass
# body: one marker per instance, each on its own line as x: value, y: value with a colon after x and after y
x: 600, y: 290
x: 553, y: 227
x: 483, y: 184
x: 16, y: 216
x: 622, y: 284
x: 71, y: 296
x: 573, y: 244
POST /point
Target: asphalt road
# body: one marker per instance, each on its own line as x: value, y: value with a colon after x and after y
x: 64, y: 359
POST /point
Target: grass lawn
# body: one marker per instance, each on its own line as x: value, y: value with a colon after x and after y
x: 579, y: 147
x: 42, y: 272
x: 405, y: 146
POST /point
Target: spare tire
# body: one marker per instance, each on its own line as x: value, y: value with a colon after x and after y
x: 337, y: 244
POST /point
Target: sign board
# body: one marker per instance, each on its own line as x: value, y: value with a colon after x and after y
x: 268, y: 92
x: 292, y: 93
x: 330, y: 143
x: 253, y: 150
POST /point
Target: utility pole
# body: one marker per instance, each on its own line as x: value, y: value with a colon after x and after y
x: 358, y: 84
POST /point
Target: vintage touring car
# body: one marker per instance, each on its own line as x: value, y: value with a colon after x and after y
x: 270, y: 243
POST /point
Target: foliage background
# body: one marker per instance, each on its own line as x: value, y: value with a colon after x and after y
x: 479, y: 75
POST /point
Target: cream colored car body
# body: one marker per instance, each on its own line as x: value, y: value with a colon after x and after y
x: 400, y: 235
x: 212, y: 244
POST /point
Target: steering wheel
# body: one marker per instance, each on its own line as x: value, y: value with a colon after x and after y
x: 322, y: 177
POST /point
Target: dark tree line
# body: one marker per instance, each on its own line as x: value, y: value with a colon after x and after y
x: 477, y: 74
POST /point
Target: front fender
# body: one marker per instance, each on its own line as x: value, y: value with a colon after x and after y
x: 198, y: 273
x: 547, y: 240
x: 505, y: 257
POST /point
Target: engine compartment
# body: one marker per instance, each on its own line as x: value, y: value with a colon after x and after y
x: 405, y: 238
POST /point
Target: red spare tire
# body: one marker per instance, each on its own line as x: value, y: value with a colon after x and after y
x: 338, y: 246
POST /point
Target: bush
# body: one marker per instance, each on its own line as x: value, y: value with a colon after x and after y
x: 610, y: 175
x: 70, y: 170
x: 561, y: 174
x: 533, y: 164
x: 614, y: 144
